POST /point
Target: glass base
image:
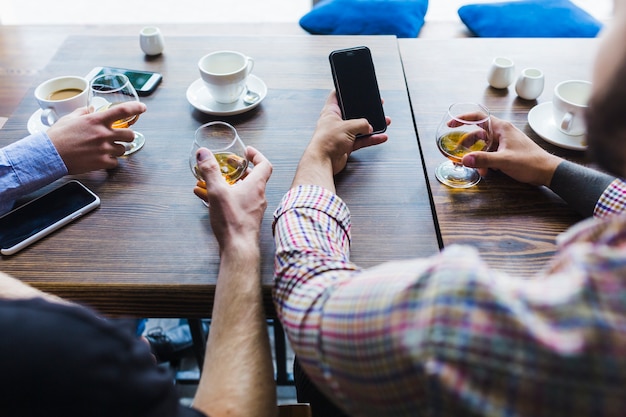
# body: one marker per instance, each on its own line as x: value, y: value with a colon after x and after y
x: 457, y: 176
x: 136, y: 144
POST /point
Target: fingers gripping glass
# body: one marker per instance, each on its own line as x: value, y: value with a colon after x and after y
x: 465, y: 128
x: 108, y: 90
x: 227, y: 147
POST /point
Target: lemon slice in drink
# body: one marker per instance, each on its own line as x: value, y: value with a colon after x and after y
x: 479, y: 145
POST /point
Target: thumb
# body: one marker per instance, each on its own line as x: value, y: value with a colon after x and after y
x: 208, y: 168
x: 359, y: 127
x: 481, y: 160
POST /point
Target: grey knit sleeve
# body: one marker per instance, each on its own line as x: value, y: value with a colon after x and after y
x: 580, y: 186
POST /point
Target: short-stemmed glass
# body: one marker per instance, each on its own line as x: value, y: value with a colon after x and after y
x: 224, y: 142
x: 465, y: 128
x: 110, y: 89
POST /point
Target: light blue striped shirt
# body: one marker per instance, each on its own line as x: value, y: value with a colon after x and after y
x: 27, y: 165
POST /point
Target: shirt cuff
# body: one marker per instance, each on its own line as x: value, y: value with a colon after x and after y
x: 35, y: 160
x: 316, y: 198
x: 579, y: 186
x: 27, y: 165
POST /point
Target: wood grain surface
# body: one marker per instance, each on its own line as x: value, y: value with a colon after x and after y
x: 148, y: 250
x: 513, y: 225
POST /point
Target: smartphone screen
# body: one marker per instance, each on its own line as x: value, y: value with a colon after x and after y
x: 43, y: 215
x: 356, y: 85
x: 145, y: 82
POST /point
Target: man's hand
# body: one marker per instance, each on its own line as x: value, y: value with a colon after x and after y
x: 87, y: 142
x: 333, y: 141
x: 236, y: 211
x: 516, y: 155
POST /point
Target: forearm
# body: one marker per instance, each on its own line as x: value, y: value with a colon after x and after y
x: 314, y: 169
x: 27, y: 165
x: 579, y: 186
x: 238, y: 376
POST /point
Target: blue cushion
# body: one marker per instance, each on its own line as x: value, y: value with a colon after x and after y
x: 529, y: 19
x: 403, y: 18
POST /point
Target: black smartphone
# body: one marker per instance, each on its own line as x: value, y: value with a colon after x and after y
x: 356, y: 85
x: 44, y: 214
x: 145, y: 82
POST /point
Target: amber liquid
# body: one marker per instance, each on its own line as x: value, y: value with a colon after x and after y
x: 455, y: 145
x: 232, y: 166
x: 122, y: 123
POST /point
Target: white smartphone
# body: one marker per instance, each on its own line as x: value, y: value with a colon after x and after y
x: 145, y: 82
x: 44, y: 214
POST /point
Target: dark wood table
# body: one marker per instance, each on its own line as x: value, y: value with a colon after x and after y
x: 148, y: 250
x: 513, y: 225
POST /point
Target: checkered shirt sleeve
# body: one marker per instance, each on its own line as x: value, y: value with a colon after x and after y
x: 612, y: 200
x: 446, y: 335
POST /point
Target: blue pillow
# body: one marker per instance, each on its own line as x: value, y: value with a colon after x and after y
x: 403, y: 18
x: 529, y: 19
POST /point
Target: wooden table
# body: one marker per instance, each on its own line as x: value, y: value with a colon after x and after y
x: 148, y: 250
x: 513, y: 225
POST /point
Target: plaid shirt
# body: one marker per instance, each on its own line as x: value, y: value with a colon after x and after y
x: 446, y: 335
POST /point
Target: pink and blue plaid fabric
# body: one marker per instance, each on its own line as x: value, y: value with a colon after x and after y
x: 447, y: 335
x: 612, y: 200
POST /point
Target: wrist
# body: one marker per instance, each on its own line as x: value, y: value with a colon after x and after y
x: 244, y: 246
x: 550, y: 166
x: 315, y: 168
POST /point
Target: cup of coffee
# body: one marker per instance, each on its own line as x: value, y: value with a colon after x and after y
x: 225, y: 73
x: 60, y: 96
x: 569, y: 104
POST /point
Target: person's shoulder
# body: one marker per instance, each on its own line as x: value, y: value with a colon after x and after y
x: 42, y: 317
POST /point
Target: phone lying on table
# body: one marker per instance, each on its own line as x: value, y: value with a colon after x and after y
x: 357, y: 87
x: 43, y: 215
x: 145, y: 82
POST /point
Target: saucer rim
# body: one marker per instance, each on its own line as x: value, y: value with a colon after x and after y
x: 239, y: 108
x: 559, y: 138
x: 34, y: 124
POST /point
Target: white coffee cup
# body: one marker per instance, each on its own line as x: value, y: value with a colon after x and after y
x: 529, y: 84
x: 569, y: 104
x: 151, y: 40
x: 501, y: 73
x: 225, y: 73
x: 60, y: 96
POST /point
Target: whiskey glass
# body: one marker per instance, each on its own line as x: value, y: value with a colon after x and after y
x: 465, y: 128
x: 108, y: 90
x: 227, y: 147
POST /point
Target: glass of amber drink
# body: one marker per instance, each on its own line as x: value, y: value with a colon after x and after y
x: 465, y: 128
x: 108, y: 90
x: 227, y: 147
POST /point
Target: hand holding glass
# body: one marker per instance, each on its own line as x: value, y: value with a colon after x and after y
x: 465, y: 128
x: 110, y: 89
x: 227, y: 147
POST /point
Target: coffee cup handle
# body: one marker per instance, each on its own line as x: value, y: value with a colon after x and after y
x: 566, y: 123
x: 250, y: 65
x: 48, y: 117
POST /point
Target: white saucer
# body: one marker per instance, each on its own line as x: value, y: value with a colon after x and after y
x: 34, y: 123
x: 200, y: 98
x: 541, y: 121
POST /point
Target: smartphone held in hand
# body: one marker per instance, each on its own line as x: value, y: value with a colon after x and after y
x: 357, y: 87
